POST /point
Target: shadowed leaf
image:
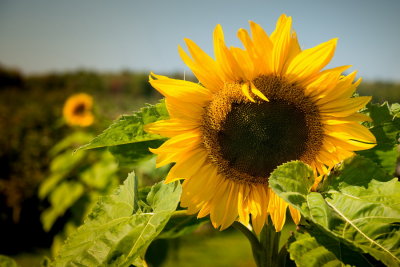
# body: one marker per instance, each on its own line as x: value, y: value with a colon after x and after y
x: 362, y: 212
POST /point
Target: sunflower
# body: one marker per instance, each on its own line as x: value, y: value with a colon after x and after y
x: 253, y: 110
x: 78, y: 110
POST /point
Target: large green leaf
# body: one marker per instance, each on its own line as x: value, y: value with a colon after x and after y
x: 129, y: 128
x: 358, y: 205
x: 119, y: 230
x: 386, y: 128
x: 312, y: 248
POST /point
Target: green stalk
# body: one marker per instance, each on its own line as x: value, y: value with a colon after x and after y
x: 269, y: 240
x: 266, y: 247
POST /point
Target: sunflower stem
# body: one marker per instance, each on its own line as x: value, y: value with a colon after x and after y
x: 266, y: 248
x: 256, y: 246
x: 269, y: 240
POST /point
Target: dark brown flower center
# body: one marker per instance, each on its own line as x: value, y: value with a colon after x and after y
x: 248, y: 140
x: 79, y: 109
x: 257, y: 137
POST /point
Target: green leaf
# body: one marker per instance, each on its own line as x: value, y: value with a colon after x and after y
x: 313, y: 248
x: 386, y: 128
x: 61, y: 198
x: 60, y: 167
x: 129, y: 129
x: 7, y: 261
x: 395, y: 108
x: 102, y: 173
x: 358, y: 205
x: 73, y: 140
x: 118, y: 231
x: 296, y: 176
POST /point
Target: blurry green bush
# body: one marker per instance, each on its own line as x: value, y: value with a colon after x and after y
x: 31, y: 124
x: 74, y: 183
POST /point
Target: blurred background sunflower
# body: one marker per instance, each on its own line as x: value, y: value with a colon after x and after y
x: 78, y: 110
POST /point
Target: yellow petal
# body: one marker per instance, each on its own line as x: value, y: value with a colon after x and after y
x: 257, y: 92
x: 344, y: 88
x: 257, y: 212
x: 244, y: 37
x: 179, y: 89
x: 345, y: 107
x: 281, y: 39
x: 246, y: 92
x: 351, y: 131
x: 246, y: 64
x: 294, y: 49
x: 263, y: 47
x: 278, y: 213
x: 207, y: 72
x: 295, y: 214
x: 254, y: 201
x: 356, y: 117
x: 201, y: 187
x: 243, y: 194
x: 226, y: 61
x: 260, y: 38
x: 349, y: 145
x: 188, y: 165
x: 258, y: 223
x: 176, y: 147
x: 231, y: 206
x: 184, y: 110
x: 323, y: 83
x: 310, y: 61
x: 219, y: 200
x: 171, y: 128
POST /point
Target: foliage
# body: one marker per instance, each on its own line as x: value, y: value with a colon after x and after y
x: 7, y: 261
x: 74, y: 183
x: 30, y: 108
x: 352, y: 214
x: 120, y: 227
x: 380, y: 91
x: 352, y: 219
x: 312, y: 247
x: 386, y: 128
x: 126, y: 138
x: 356, y: 206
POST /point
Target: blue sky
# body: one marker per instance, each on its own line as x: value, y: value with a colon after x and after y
x: 44, y: 35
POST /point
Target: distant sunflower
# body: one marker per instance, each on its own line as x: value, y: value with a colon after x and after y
x: 78, y: 110
x: 255, y: 109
